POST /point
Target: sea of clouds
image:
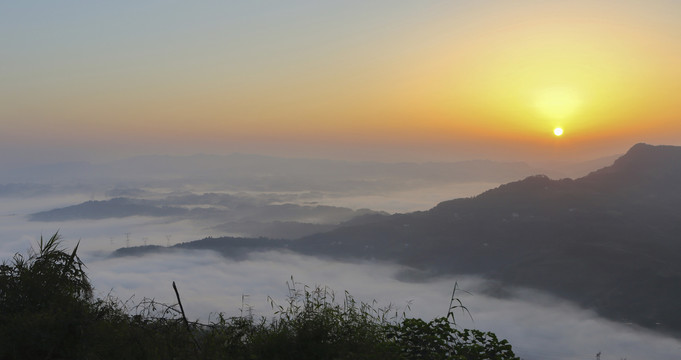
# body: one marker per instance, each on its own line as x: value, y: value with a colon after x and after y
x: 538, y: 325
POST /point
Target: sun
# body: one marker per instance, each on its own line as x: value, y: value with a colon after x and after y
x: 558, y: 131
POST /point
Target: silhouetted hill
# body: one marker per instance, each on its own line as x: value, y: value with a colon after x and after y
x: 645, y: 171
x: 246, y: 215
x: 610, y: 241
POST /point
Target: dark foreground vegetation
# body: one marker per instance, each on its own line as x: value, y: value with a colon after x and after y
x: 48, y: 311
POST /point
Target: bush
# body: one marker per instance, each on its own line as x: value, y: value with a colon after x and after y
x: 438, y: 339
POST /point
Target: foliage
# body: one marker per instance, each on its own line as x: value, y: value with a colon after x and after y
x: 47, y: 311
x: 44, y: 297
x: 438, y: 339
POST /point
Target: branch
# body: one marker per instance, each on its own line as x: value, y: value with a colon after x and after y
x: 184, y: 317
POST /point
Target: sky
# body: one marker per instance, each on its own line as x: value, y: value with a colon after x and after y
x: 358, y: 80
x: 378, y: 80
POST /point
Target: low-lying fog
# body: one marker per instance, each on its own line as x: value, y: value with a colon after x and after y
x: 538, y: 326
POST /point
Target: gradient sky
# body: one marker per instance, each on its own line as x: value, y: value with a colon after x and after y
x: 384, y: 80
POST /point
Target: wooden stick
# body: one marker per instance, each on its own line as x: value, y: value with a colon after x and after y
x: 184, y: 317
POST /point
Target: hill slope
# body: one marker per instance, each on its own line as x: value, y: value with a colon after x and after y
x: 610, y: 241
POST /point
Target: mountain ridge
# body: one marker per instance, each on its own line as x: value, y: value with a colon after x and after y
x: 607, y: 241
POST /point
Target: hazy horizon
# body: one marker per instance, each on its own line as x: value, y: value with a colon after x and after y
x: 36, y: 154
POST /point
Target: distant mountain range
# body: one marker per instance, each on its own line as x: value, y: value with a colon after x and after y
x: 610, y: 241
x: 246, y: 172
x: 264, y: 215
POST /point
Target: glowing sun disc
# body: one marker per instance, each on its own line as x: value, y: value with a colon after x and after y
x: 558, y: 131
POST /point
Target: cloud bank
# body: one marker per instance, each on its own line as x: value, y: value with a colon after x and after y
x: 539, y: 326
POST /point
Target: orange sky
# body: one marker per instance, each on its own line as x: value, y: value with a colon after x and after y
x: 427, y: 81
